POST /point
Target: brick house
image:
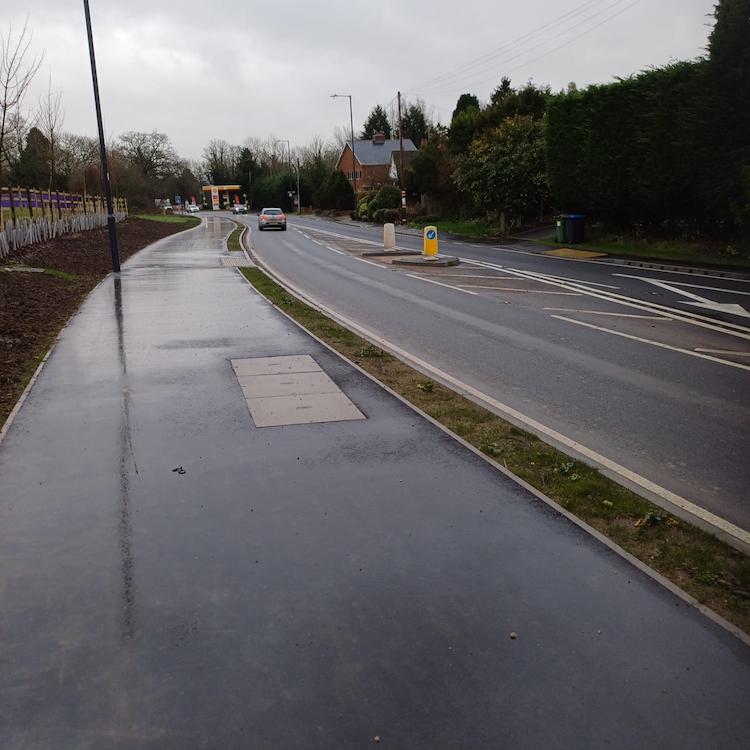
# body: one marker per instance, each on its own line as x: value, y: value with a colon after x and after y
x: 372, y: 160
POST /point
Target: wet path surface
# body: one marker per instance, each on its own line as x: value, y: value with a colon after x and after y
x: 307, y: 586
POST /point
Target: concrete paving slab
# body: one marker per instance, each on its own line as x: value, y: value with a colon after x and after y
x: 292, y: 384
x: 274, y: 365
x: 309, y: 408
x: 312, y: 586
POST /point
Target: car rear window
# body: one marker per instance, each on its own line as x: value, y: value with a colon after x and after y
x: 272, y: 211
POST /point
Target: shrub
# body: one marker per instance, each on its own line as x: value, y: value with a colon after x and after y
x: 386, y: 216
x: 389, y: 196
x: 362, y: 210
x: 336, y: 193
x: 372, y: 207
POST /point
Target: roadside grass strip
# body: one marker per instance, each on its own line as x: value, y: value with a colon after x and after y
x: 190, y: 221
x: 233, y: 241
x: 714, y: 573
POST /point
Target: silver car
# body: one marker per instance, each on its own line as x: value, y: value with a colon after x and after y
x: 271, y: 217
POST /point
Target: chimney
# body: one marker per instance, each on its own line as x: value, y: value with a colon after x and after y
x: 378, y: 138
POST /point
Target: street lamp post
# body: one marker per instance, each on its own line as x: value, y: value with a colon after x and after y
x: 299, y: 197
x: 111, y: 224
x: 351, y: 122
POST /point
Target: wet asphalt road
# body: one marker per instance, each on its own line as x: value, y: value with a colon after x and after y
x: 305, y: 587
x: 680, y: 421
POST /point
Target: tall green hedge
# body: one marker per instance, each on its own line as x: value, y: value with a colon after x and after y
x: 641, y: 149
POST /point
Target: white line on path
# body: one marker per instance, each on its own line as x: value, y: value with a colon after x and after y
x: 613, y: 314
x: 440, y: 283
x: 654, y: 343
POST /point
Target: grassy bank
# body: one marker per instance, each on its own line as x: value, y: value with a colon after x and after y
x: 191, y: 221
x: 711, y: 571
x: 233, y: 241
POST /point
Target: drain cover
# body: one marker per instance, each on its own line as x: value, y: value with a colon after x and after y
x: 239, y: 262
x: 291, y: 390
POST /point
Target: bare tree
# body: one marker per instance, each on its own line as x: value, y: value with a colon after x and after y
x: 152, y: 152
x: 16, y: 74
x: 319, y: 151
x: 342, y: 135
x: 50, y: 117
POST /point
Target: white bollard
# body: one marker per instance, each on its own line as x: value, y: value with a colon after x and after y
x: 389, y: 236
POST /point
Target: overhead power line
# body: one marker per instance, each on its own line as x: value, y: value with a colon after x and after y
x: 548, y: 52
x: 471, y: 84
x: 504, y: 60
x: 568, y: 15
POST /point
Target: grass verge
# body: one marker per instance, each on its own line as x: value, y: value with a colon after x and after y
x: 170, y: 219
x: 233, y: 241
x: 713, y: 572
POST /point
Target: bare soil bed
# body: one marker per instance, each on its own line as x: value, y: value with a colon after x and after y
x: 35, y: 306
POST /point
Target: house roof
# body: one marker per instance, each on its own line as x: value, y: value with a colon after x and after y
x: 373, y: 154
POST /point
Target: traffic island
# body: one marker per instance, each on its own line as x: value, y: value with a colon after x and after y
x: 389, y: 253
x: 430, y: 256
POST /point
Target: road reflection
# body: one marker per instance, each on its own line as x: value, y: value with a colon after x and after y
x: 127, y: 464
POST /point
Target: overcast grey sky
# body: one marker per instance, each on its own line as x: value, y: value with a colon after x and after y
x: 197, y: 69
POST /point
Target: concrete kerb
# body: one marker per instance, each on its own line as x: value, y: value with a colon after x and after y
x: 732, y: 535
x: 601, y: 538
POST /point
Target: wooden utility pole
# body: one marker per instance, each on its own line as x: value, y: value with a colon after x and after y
x: 401, y: 145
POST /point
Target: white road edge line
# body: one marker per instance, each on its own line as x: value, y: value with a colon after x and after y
x: 578, y: 281
x: 369, y: 262
x: 723, y: 351
x: 525, y: 291
x: 689, y: 352
x: 613, y: 314
x: 692, y: 286
x: 440, y: 283
x: 725, y: 530
x: 730, y: 329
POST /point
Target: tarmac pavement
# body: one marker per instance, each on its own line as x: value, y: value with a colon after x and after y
x: 331, y: 585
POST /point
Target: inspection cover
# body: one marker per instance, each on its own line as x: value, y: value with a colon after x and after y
x: 239, y: 262
x: 283, y: 391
